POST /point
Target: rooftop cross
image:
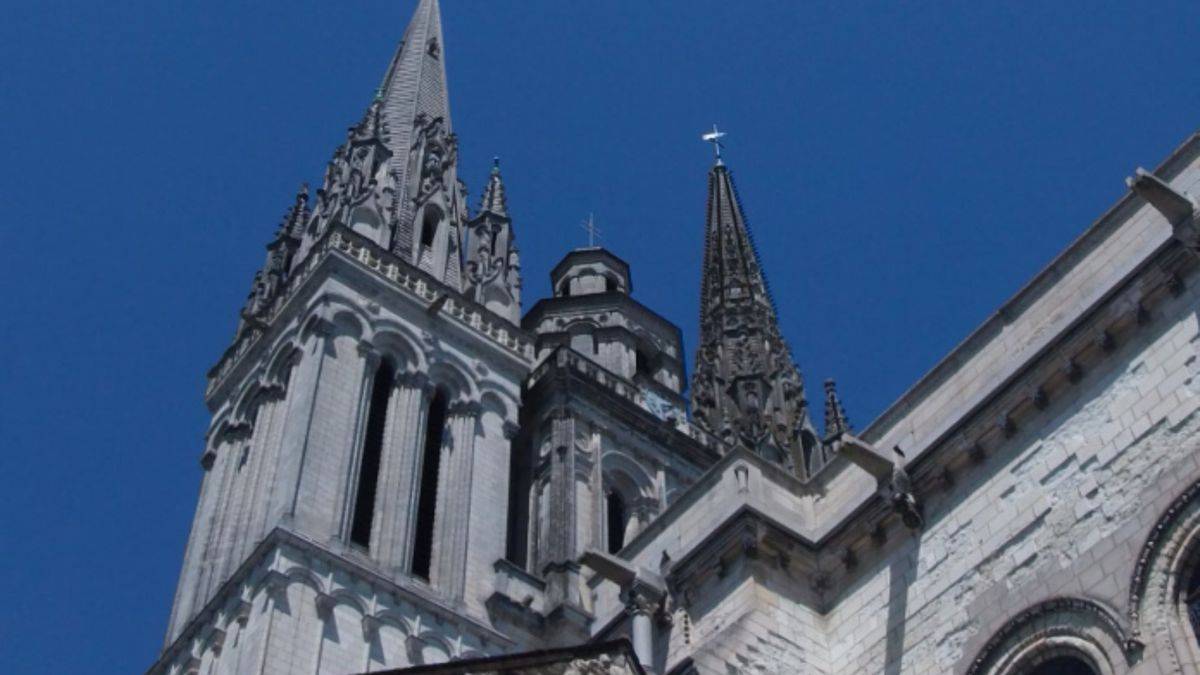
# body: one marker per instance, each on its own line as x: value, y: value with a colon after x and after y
x: 715, y: 137
x: 592, y: 230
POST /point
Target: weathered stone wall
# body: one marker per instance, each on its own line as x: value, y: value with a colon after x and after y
x: 1061, y: 510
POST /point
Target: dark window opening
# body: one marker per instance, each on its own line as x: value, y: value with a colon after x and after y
x: 610, y: 284
x: 1192, y: 600
x: 422, y: 558
x: 429, y: 227
x: 368, y: 469
x: 1063, y: 665
x: 643, y: 364
x: 808, y: 443
x: 519, y: 486
x: 616, y: 521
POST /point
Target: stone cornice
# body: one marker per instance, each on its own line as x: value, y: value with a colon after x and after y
x: 203, y: 622
x: 565, y: 371
x: 1111, y: 219
x: 416, y: 284
x: 592, y: 302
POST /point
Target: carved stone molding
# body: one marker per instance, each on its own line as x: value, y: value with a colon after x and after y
x: 215, y: 640
x: 1038, y: 620
x: 1163, y: 528
x: 325, y: 604
x: 413, y: 379
x: 370, y: 627
x: 275, y: 583
x: 241, y: 612
x: 462, y: 408
x: 510, y: 430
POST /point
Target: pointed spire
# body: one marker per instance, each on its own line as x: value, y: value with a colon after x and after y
x: 836, y: 422
x: 493, y: 265
x: 297, y: 214
x: 745, y: 386
x: 395, y: 179
x: 493, y: 199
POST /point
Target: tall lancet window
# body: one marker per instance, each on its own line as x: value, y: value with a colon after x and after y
x: 615, y: 508
x: 368, y: 468
x: 430, y: 223
x: 435, y: 426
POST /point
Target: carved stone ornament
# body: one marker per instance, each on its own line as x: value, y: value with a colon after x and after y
x: 601, y: 664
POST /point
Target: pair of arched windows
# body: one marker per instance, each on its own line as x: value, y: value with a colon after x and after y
x: 363, y: 517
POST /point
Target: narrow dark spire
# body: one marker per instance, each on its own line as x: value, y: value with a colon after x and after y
x: 836, y: 422
x: 297, y: 214
x: 493, y: 199
x: 745, y: 387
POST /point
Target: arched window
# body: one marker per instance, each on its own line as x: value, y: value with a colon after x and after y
x: 372, y: 450
x: 435, y: 425
x: 615, y: 507
x: 1191, y: 600
x: 808, y: 443
x: 429, y: 226
x: 1063, y: 665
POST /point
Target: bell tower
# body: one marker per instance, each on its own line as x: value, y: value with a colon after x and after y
x: 354, y: 482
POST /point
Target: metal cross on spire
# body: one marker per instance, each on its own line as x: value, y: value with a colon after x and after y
x: 715, y: 137
x: 592, y: 230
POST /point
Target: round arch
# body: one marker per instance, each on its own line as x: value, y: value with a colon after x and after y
x: 1066, y: 628
x: 1167, y: 566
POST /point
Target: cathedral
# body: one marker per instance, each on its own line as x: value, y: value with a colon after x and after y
x: 406, y: 472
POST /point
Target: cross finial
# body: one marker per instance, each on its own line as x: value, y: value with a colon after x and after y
x: 592, y: 230
x: 715, y: 137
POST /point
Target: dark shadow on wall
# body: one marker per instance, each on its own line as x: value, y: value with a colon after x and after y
x: 901, y: 572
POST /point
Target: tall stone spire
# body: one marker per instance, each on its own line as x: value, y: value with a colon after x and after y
x: 395, y: 179
x: 493, y: 270
x: 745, y: 387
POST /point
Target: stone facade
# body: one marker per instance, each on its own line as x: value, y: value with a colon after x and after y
x: 404, y: 471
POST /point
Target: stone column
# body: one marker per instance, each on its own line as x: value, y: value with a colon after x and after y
x: 297, y: 424
x: 400, y: 472
x: 560, y: 531
x: 642, y: 603
x: 452, y: 518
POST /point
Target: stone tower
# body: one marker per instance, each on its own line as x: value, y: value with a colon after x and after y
x: 355, y: 471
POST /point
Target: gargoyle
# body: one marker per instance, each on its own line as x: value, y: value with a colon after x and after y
x: 890, y: 475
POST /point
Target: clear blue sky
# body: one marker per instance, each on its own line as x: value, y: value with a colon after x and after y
x: 904, y: 170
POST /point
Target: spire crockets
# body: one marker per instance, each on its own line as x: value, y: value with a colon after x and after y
x: 745, y: 388
x: 493, y: 277
x: 836, y: 422
x: 269, y: 280
x: 395, y: 178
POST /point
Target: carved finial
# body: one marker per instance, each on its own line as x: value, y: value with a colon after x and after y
x: 591, y: 229
x: 715, y: 137
x: 836, y: 422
